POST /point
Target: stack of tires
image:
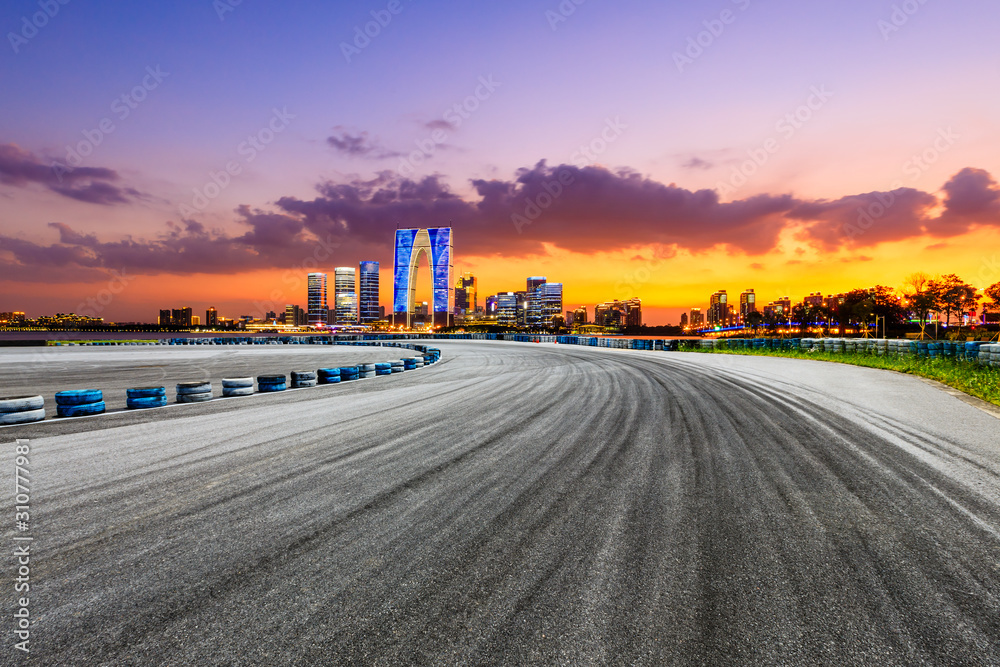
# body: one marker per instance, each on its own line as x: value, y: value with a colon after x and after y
x: 237, y: 387
x: 21, y: 410
x: 302, y: 379
x: 267, y: 384
x: 366, y: 370
x: 989, y: 355
x: 79, y: 402
x: 409, y: 363
x: 328, y: 375
x: 348, y: 373
x: 972, y: 350
x: 194, y: 392
x: 383, y: 369
x: 419, y: 361
x: 934, y: 350
x: 397, y: 366
x: 140, y: 398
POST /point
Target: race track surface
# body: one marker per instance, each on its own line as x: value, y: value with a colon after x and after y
x: 521, y: 503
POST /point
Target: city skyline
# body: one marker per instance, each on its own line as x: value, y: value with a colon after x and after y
x: 186, y: 163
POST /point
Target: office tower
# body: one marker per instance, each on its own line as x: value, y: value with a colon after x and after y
x: 166, y: 318
x: 212, y: 317
x: 533, y: 307
x: 195, y: 321
x: 345, y: 299
x: 368, y: 309
x: 697, y: 319
x: 783, y: 305
x: 295, y: 316
x: 684, y: 320
x: 748, y: 304
x: 549, y: 300
x: 185, y: 316
x: 436, y: 245
x: 568, y: 318
x: 814, y: 300
x: 507, y: 307
x: 466, y: 299
x: 580, y: 316
x: 491, y: 305
x: 317, y: 306
x: 718, y: 309
x: 618, y: 313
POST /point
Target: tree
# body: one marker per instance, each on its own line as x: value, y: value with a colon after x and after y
x: 755, y: 319
x: 993, y: 294
x: 954, y: 295
x: 920, y: 298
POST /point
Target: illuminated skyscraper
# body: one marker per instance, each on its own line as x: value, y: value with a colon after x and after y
x: 507, y: 309
x: 466, y: 299
x: 436, y: 245
x: 345, y: 297
x: 748, y: 304
x: 549, y: 300
x: 316, y: 304
x: 368, y: 293
x: 718, y: 309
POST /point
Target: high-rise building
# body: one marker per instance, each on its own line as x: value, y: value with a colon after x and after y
x: 368, y: 309
x: 212, y: 317
x: 195, y: 321
x: 814, y: 300
x: 183, y: 316
x: 748, y: 304
x: 549, y: 300
x: 436, y: 245
x: 507, y: 307
x: 295, y: 316
x: 684, y: 320
x: 697, y: 318
x: 166, y: 317
x: 618, y: 314
x: 491, y: 305
x: 580, y: 316
x: 533, y: 304
x: 718, y: 309
x: 345, y: 295
x: 316, y: 305
x: 466, y: 299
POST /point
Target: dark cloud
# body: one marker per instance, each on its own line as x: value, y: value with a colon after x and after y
x: 580, y: 209
x: 439, y: 124
x: 94, y: 185
x: 359, y: 145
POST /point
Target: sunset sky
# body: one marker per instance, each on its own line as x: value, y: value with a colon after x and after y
x: 671, y: 148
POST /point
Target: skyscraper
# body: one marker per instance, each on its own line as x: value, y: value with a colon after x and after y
x: 507, y: 309
x: 533, y: 304
x: 748, y: 304
x: 368, y: 293
x: 549, y: 297
x: 436, y: 245
x: 345, y: 297
x: 697, y: 319
x: 212, y: 317
x: 466, y: 299
x: 295, y: 316
x: 316, y: 304
x: 718, y: 309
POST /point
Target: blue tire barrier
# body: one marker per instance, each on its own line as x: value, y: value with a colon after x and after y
x: 184, y: 388
x: 143, y: 402
x: 10, y: 404
x: 194, y: 398
x: 79, y: 397
x: 348, y: 373
x: 383, y: 369
x: 22, y: 417
x: 409, y: 363
x: 271, y: 383
x: 146, y: 392
x: 328, y: 375
x: 230, y: 392
x: 80, y: 409
x: 237, y: 383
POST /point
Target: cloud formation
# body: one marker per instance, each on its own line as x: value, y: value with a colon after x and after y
x: 94, y: 185
x: 580, y: 209
x: 358, y: 144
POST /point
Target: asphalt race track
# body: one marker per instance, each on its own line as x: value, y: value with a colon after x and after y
x: 519, y: 503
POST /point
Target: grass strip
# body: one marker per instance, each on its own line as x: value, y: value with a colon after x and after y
x: 973, y: 378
